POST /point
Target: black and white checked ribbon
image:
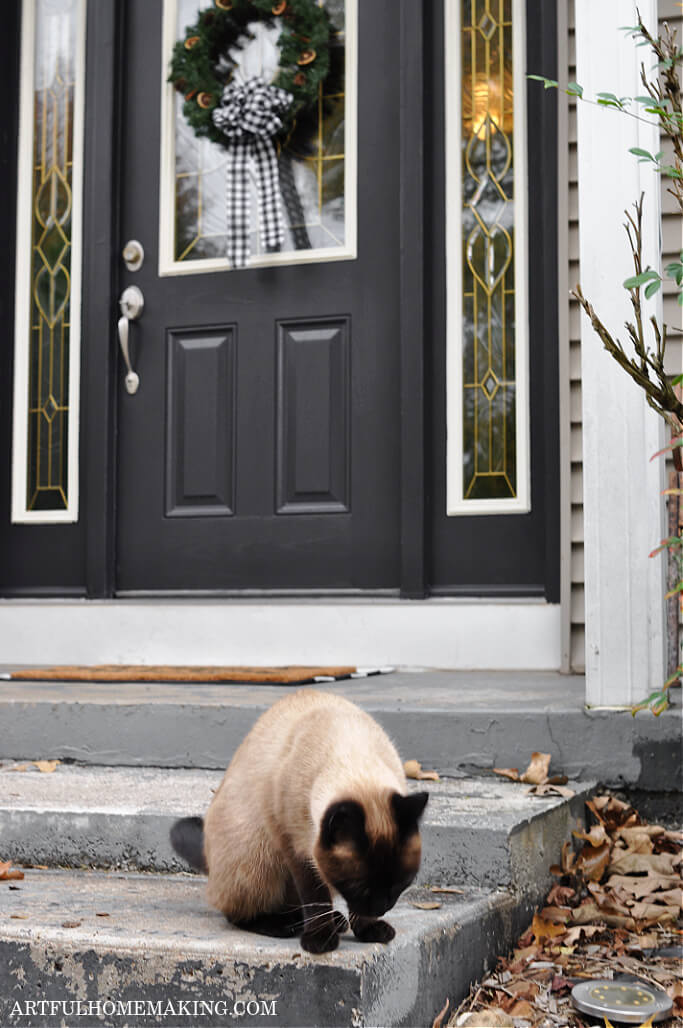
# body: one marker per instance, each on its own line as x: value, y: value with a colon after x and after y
x: 249, y: 116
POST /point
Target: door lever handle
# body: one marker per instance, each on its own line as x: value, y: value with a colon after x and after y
x: 132, y: 378
x: 132, y: 304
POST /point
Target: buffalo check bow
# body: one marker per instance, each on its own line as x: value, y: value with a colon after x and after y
x: 249, y: 115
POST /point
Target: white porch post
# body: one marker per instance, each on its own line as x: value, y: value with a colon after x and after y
x: 623, y: 509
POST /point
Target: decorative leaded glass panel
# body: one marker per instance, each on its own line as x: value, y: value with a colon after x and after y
x: 311, y: 164
x: 47, y: 280
x: 489, y: 458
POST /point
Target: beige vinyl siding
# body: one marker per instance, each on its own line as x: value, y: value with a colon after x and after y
x: 672, y: 242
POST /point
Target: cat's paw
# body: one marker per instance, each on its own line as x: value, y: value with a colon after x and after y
x: 374, y: 931
x: 340, y: 922
x: 322, y: 940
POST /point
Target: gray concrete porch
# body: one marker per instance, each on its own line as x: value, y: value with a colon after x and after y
x: 458, y: 721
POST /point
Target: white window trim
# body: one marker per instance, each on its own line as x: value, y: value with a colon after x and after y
x: 167, y: 264
x: 456, y: 504
x: 23, y: 285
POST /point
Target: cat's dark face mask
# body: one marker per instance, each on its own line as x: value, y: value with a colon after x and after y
x: 371, y: 874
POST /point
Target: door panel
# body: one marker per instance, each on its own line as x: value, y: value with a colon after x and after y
x: 313, y: 442
x: 261, y: 450
x: 200, y: 423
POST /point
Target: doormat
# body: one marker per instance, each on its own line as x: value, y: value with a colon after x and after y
x: 167, y: 673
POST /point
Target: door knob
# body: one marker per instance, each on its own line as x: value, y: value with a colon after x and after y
x: 132, y: 304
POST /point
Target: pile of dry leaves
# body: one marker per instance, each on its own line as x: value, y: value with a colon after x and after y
x: 616, y: 905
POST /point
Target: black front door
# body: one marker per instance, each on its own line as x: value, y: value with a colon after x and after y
x: 261, y: 448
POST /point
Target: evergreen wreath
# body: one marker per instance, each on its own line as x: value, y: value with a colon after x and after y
x: 201, y: 67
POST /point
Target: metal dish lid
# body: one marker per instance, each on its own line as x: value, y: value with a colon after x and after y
x: 632, y: 1002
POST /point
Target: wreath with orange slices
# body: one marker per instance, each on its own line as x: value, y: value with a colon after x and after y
x: 201, y: 65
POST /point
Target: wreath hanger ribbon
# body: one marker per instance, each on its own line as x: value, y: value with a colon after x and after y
x: 249, y: 115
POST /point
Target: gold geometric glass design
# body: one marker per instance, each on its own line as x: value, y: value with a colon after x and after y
x: 311, y: 171
x: 489, y: 394
x: 52, y: 205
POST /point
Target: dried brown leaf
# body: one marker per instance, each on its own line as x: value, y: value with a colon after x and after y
x: 537, y: 771
x: 71, y: 924
x: 447, y: 888
x: 542, y: 929
x: 522, y: 1008
x: 547, y: 789
x: 589, y: 913
x: 560, y: 894
x: 595, y: 837
x: 592, y: 861
x: 613, y: 813
x: 561, y: 984
x: 641, y: 887
x: 589, y: 930
x: 636, y: 831
x: 438, y: 1020
x: 507, y: 772
x: 413, y: 769
x: 646, y: 940
x: 643, y: 863
x: 46, y: 766
x: 492, y: 1018
x: 655, y: 913
x: 558, y: 915
x: 568, y: 858
x: 6, y: 874
x: 425, y: 904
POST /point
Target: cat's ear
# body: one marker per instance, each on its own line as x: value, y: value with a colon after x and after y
x: 343, y: 822
x: 408, y: 810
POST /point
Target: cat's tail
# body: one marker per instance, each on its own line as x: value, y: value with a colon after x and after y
x: 187, y: 839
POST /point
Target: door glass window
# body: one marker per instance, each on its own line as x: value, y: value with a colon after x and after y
x: 486, y: 204
x: 48, y: 262
x: 315, y: 162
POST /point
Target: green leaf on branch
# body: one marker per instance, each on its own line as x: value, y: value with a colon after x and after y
x: 611, y: 100
x: 674, y: 677
x: 656, y: 702
x: 675, y: 271
x: 676, y: 441
x: 547, y: 83
x: 674, y: 592
x: 645, y: 154
x: 652, y: 288
x: 574, y: 89
x: 670, y: 543
x: 640, y: 280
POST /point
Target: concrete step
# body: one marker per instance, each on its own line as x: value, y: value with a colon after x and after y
x: 483, y: 831
x: 160, y: 943
x: 446, y: 719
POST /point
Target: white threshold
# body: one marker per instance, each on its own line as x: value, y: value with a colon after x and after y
x: 463, y: 634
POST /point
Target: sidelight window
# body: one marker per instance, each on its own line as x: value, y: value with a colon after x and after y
x: 486, y: 203
x: 48, y: 274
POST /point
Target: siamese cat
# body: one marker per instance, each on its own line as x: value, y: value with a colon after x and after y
x: 313, y: 803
